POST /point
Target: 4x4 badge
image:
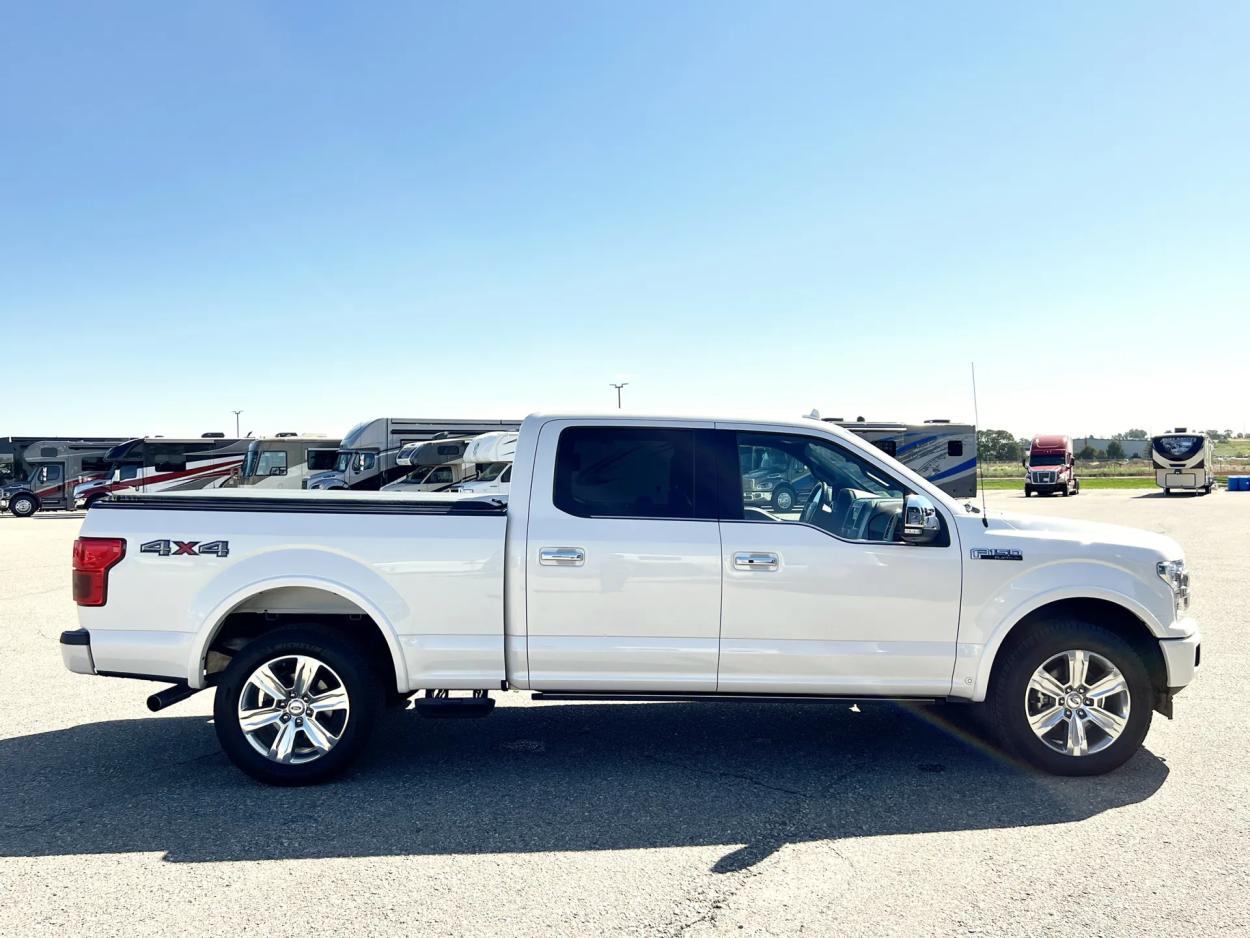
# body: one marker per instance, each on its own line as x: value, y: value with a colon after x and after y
x: 167, y: 548
x: 995, y: 553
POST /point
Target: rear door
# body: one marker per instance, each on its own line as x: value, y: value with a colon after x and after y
x: 622, y: 565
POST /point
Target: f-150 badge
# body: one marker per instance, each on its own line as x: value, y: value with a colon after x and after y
x: 167, y: 548
x: 996, y: 553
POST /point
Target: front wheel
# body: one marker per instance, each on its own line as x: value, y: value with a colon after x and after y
x: 783, y: 499
x: 24, y: 506
x: 1071, y: 698
x: 296, y: 706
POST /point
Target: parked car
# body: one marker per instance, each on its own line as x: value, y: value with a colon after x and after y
x: 627, y: 565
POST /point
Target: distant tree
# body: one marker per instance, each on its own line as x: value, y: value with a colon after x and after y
x: 997, y: 446
x: 1134, y: 434
x: 1087, y: 453
x: 1115, y: 450
x: 1215, y: 435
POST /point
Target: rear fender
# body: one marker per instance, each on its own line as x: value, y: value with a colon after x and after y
x: 339, y: 575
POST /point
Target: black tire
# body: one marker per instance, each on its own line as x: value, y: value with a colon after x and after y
x: 1009, y: 686
x: 348, y: 663
x: 1166, y: 490
x: 1028, y: 490
x: 1076, y: 486
x: 23, y: 505
x: 783, y: 498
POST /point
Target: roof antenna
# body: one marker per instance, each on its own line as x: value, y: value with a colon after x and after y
x: 976, y: 418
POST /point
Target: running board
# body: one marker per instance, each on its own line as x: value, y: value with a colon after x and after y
x: 440, y: 705
x: 712, y: 697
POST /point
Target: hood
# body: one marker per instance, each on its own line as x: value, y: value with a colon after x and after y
x: 1087, y: 533
x: 1033, y: 468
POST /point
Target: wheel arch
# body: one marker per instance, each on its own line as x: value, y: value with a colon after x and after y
x: 1117, y: 614
x: 268, y: 604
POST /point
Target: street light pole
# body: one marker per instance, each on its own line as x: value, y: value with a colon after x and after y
x: 236, y: 422
x: 618, y: 392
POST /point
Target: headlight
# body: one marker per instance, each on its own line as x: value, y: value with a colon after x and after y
x: 764, y: 486
x: 1174, y: 574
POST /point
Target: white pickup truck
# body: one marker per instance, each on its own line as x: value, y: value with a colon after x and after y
x: 627, y: 563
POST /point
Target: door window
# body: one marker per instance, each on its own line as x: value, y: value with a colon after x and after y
x: 627, y: 472
x: 440, y: 475
x: 50, y: 474
x: 795, y: 479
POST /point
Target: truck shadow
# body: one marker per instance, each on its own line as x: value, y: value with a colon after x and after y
x: 748, y: 777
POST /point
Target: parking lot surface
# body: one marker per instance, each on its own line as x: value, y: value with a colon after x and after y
x: 649, y: 818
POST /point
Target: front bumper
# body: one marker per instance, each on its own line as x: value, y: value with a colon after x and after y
x: 76, y: 651
x: 757, y: 496
x: 1181, y: 656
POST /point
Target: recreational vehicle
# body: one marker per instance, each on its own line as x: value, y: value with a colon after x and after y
x: 1183, y: 461
x: 156, y: 464
x: 433, y: 465
x: 492, y: 454
x: 368, y: 457
x: 53, y: 469
x: 285, y: 461
x: 13, y: 464
x: 945, y: 453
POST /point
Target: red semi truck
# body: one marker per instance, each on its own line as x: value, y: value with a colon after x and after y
x: 1049, y: 467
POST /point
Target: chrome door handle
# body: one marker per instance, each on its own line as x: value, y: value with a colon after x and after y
x: 561, y: 556
x: 756, y: 560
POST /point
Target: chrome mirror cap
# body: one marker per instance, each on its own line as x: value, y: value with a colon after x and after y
x: 921, y: 524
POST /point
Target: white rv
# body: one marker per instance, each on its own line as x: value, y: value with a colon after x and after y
x: 492, y: 454
x: 1184, y: 461
x: 157, y: 464
x: 945, y: 453
x: 435, y: 465
x: 286, y: 460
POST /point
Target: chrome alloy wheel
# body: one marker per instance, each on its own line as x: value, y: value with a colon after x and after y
x: 1077, y: 703
x: 293, y: 709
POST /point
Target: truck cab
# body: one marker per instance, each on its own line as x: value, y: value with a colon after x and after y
x: 1050, y: 467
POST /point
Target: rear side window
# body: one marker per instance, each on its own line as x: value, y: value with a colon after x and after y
x: 954, y: 447
x: 626, y: 472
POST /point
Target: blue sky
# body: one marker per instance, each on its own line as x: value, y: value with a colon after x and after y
x: 323, y: 212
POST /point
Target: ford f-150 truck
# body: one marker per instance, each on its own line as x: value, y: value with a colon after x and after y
x: 625, y: 563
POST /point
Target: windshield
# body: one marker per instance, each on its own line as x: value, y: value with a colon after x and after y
x: 1046, y: 459
x: 343, y: 460
x: 493, y: 471
x: 249, y: 461
x: 121, y: 473
x: 1178, y: 447
x: 319, y: 459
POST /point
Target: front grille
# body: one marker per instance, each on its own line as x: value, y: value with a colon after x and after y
x: 1044, y: 478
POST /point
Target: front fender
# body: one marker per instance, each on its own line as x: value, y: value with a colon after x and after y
x: 335, y: 573
x: 990, y: 614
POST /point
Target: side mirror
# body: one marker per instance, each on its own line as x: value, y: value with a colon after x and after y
x: 921, y: 524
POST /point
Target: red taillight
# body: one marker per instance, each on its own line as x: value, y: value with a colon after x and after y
x: 93, y: 557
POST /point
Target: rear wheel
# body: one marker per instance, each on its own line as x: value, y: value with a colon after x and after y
x: 24, y: 506
x: 1072, y: 698
x: 296, y: 706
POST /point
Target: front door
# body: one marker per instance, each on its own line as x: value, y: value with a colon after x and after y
x: 50, y: 485
x: 824, y: 598
x: 622, y: 567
